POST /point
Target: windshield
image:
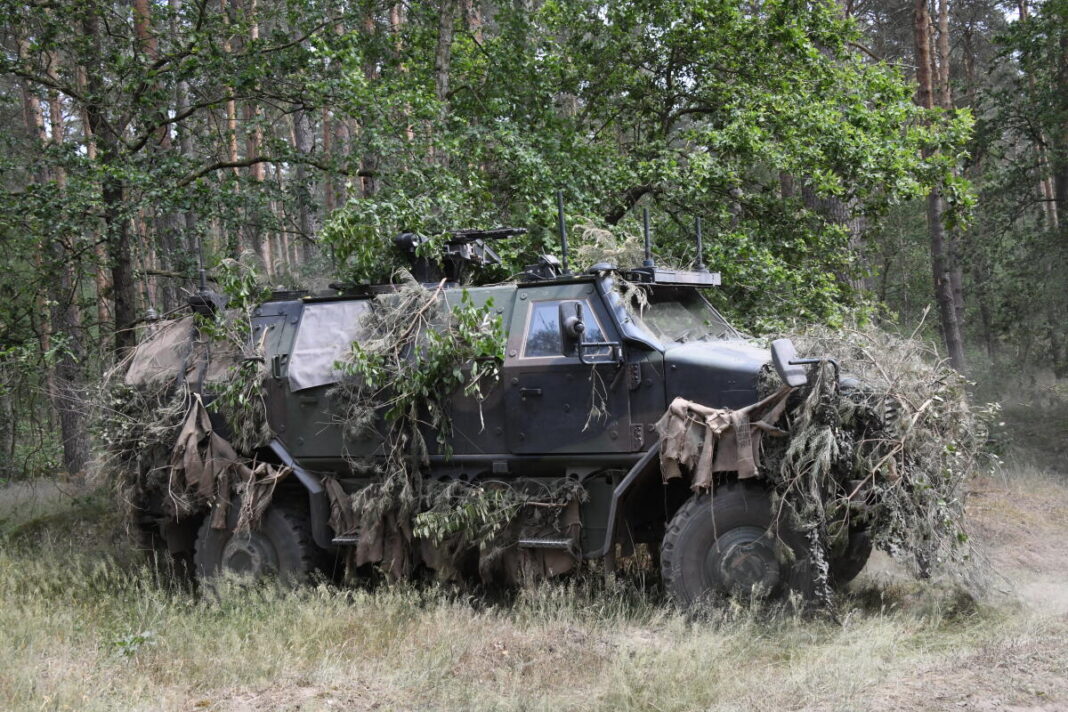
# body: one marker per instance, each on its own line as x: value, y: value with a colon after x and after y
x: 681, y: 315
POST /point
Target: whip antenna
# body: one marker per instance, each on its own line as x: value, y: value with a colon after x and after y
x: 648, y: 243
x: 561, y: 226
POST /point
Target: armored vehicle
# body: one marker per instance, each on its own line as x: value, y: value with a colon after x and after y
x: 585, y: 379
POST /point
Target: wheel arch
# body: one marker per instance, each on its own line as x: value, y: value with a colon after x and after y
x: 318, y: 502
x: 642, y: 497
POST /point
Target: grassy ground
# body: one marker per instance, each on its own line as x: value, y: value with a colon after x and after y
x: 84, y: 626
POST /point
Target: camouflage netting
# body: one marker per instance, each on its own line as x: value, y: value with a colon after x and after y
x: 595, y: 245
x: 463, y: 530
x: 889, y: 452
x: 157, y: 443
x: 398, y: 380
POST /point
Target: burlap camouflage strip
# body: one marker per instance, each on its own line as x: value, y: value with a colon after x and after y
x: 204, y: 468
x: 705, y: 440
x: 342, y: 519
x: 389, y: 542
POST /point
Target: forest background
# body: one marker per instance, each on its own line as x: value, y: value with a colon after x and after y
x: 898, y: 160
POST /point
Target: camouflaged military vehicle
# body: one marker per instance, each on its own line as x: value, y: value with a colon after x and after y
x: 661, y: 376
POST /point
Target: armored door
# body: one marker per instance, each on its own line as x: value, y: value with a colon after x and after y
x: 555, y: 403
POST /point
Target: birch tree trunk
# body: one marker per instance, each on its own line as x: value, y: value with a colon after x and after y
x: 306, y: 214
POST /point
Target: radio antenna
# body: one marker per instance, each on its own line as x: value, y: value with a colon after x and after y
x: 648, y: 243
x: 700, y: 244
x: 561, y: 226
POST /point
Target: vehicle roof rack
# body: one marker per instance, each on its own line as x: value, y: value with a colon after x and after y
x: 673, y: 277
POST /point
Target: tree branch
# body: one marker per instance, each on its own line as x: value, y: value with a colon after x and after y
x: 629, y: 200
x: 246, y: 162
x: 865, y: 50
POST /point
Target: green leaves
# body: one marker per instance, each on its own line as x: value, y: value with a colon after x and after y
x: 704, y: 104
x: 422, y: 354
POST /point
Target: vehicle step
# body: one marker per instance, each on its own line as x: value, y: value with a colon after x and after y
x: 345, y: 540
x: 545, y: 543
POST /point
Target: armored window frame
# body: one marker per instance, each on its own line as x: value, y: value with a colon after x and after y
x: 589, y: 315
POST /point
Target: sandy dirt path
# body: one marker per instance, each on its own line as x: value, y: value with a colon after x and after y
x: 1020, y: 526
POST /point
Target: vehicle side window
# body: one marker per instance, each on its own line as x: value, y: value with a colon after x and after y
x: 543, y: 328
x: 325, y: 335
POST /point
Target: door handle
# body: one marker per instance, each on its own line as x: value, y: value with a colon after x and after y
x: 277, y: 361
x: 524, y: 392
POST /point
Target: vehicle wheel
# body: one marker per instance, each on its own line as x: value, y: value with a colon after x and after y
x: 729, y: 546
x: 850, y: 563
x: 280, y: 547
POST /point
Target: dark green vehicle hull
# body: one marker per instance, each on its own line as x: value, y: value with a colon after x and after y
x: 548, y: 416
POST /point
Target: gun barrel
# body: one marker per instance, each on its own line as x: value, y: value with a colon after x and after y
x: 497, y: 233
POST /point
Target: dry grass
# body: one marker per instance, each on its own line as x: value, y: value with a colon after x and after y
x: 83, y: 628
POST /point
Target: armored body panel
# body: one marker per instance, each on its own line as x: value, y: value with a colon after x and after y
x: 553, y: 412
x: 548, y: 403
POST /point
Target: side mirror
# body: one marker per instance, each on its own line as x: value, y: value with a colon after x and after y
x: 571, y: 326
x: 784, y: 358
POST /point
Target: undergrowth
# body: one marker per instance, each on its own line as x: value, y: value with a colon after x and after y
x: 889, y: 448
x: 98, y: 631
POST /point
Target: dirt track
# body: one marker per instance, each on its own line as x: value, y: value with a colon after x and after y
x: 1020, y: 528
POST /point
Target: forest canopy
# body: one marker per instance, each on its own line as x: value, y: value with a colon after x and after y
x: 847, y: 157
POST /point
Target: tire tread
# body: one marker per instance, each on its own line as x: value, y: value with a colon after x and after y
x: 312, y: 558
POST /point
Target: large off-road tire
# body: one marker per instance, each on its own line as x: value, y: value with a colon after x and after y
x: 731, y: 546
x: 280, y: 548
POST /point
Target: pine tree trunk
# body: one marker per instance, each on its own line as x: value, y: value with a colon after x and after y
x: 112, y: 195
x: 368, y: 160
x: 1060, y: 138
x: 165, y: 227
x: 65, y: 381
x: 7, y: 426
x: 328, y: 149
x: 255, y: 240
x: 100, y: 275
x: 185, y: 147
x: 443, y: 52
x: 942, y: 287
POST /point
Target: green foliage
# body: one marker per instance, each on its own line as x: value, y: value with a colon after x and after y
x: 241, y: 284
x: 416, y: 356
x: 127, y: 646
x: 478, y: 513
x: 460, y: 515
x: 418, y: 360
x: 1017, y: 253
x: 361, y: 235
x: 240, y: 396
x: 695, y: 105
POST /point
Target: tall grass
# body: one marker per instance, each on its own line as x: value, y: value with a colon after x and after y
x: 85, y: 625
